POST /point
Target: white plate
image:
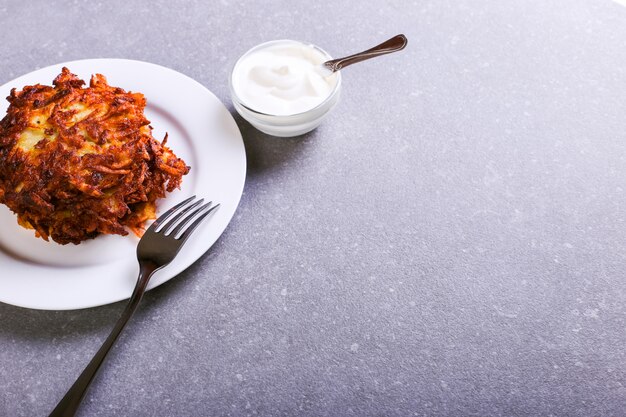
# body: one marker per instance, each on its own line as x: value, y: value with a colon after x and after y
x: 48, y: 276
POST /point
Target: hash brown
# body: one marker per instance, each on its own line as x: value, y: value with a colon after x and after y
x: 77, y: 162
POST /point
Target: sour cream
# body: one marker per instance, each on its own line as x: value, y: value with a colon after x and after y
x: 282, y: 78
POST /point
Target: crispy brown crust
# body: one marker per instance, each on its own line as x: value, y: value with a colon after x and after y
x: 95, y: 167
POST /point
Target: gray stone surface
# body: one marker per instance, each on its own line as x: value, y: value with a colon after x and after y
x: 451, y: 241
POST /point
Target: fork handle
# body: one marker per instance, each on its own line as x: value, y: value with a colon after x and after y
x: 71, y: 401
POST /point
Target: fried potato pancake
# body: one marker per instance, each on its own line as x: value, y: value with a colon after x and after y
x: 77, y: 162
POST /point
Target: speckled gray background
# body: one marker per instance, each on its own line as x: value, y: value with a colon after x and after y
x: 450, y: 242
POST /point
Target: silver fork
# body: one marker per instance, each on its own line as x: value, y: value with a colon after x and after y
x: 157, y: 248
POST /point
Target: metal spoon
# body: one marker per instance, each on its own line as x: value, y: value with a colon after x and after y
x: 394, y: 44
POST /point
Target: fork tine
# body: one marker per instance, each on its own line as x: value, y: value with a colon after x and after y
x: 167, y: 227
x: 181, y: 225
x: 168, y: 213
x: 196, y: 223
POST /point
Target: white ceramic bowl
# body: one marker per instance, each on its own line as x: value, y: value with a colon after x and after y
x: 289, y: 125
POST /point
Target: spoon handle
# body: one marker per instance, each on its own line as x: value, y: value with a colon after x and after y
x: 394, y: 44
